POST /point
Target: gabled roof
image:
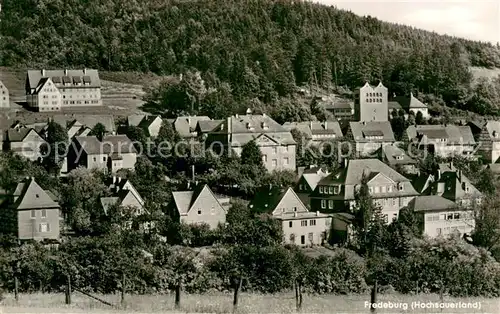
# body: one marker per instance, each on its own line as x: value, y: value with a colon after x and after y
x: 32, y: 196
x: 109, y: 145
x: 88, y: 75
x: 135, y: 119
x: 431, y: 203
x: 454, y: 134
x: 313, y: 175
x: 18, y: 135
x: 86, y: 120
x: 311, y: 128
x: 184, y: 200
x: 360, y: 130
x: 396, y: 156
x: 42, y: 83
x: 206, y: 126
x: 254, y: 123
x: 410, y: 102
x: 185, y: 125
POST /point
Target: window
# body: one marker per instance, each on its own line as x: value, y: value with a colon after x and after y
x: 330, y: 190
x: 456, y: 216
x: 303, y: 223
x: 95, y: 159
x: 389, y: 189
x: 302, y: 239
x: 199, y: 211
x: 449, y: 217
x: 104, y: 158
x: 323, y: 204
x: 311, y: 237
x: 212, y: 211
x: 292, y: 238
x: 264, y: 157
x: 370, y: 189
x: 44, y: 213
x: 375, y: 189
x: 275, y: 162
x: 285, y: 160
x: 321, y: 189
x: 312, y: 222
x: 290, y: 224
x: 285, y: 149
x: 44, y: 227
x: 439, y: 231
x: 330, y: 204
x: 400, y: 186
x: 33, y: 213
x: 275, y: 150
x: 335, y: 190
x: 294, y: 209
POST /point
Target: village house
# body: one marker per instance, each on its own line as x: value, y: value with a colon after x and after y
x: 276, y: 143
x: 300, y: 226
x: 317, y: 131
x: 394, y: 108
x: 368, y: 137
x: 447, y: 202
x: 340, y: 108
x: 113, y: 153
x: 489, y: 141
x: 308, y: 180
x: 200, y: 206
x: 203, y: 127
x: 53, y: 90
x: 31, y: 213
x: 81, y: 125
x: 25, y: 142
x: 4, y: 96
x: 413, y: 105
x: 389, y: 190
x: 186, y: 126
x: 371, y: 103
x: 150, y: 124
x: 398, y: 159
x: 443, y: 140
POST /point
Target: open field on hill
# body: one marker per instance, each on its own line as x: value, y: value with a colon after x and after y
x: 222, y: 303
x: 478, y: 72
x: 122, y: 92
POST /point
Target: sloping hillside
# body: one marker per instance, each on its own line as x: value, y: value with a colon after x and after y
x: 262, y: 49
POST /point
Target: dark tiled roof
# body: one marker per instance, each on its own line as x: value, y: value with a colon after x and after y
x: 109, y: 145
x: 360, y: 129
x: 431, y: 203
x: 89, y: 76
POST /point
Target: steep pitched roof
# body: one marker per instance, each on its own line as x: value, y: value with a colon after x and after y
x: 316, y: 127
x: 365, y: 131
x: 313, y: 176
x: 205, y: 126
x: 187, y: 124
x: 32, y: 196
x: 18, y: 135
x: 135, y: 119
x: 184, y: 200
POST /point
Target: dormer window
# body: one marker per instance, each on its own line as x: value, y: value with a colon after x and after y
x: 399, y: 157
x: 400, y: 186
x: 336, y: 189
x: 321, y: 190
x: 330, y: 190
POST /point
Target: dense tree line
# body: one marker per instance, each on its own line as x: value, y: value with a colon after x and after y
x: 243, y: 49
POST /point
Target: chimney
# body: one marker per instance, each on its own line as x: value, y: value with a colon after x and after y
x: 65, y: 72
x: 439, y: 174
x: 346, y: 161
x: 317, y: 213
x: 460, y: 175
x: 192, y: 173
x: 188, y: 185
x: 237, y: 116
x: 189, y: 121
x: 295, y: 214
x: 229, y: 125
x: 451, y: 165
x: 326, y: 125
x: 311, y: 125
x: 43, y: 72
x: 85, y: 71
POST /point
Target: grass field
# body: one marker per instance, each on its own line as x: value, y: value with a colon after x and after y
x: 478, y: 72
x: 222, y: 303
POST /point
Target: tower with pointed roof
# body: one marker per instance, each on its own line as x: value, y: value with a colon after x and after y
x: 372, y: 103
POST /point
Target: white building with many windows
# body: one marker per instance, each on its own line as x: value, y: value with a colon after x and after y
x: 53, y: 90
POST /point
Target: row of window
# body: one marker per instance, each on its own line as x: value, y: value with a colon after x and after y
x: 212, y: 211
x: 329, y: 189
x: 374, y: 100
x: 372, y: 137
x: 79, y: 102
x: 373, y: 94
x: 302, y: 238
x: 44, y: 212
x: 384, y: 189
x: 83, y: 96
x: 286, y: 161
x: 449, y: 216
x: 448, y: 230
x: 330, y: 204
x: 64, y: 90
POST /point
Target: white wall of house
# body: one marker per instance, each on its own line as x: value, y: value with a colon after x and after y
x: 307, y: 231
x: 448, y: 222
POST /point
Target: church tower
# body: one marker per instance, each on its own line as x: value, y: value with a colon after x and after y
x: 372, y: 103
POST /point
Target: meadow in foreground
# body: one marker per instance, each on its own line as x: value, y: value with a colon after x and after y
x: 222, y: 303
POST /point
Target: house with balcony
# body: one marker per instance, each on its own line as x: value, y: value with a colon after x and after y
x: 199, y: 206
x: 389, y: 190
x: 300, y: 226
x: 317, y: 131
x: 31, y: 213
x: 443, y: 140
x: 4, y: 96
x: 447, y: 202
x: 275, y: 142
x: 368, y: 137
x: 113, y: 153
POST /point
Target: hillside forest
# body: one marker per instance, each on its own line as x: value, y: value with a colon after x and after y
x: 247, y: 52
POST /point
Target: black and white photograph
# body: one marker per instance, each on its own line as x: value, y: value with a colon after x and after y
x: 250, y: 156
